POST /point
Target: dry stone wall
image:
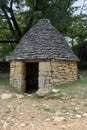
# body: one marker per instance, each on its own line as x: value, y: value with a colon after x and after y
x: 44, y: 74
x: 57, y: 72
x: 17, y: 74
x: 50, y: 72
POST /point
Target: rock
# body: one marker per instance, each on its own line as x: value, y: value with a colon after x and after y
x: 22, y: 125
x: 55, y: 91
x: 48, y: 119
x: 77, y: 108
x: 28, y: 95
x: 57, y: 119
x: 63, y: 127
x: 67, y: 113
x: 85, y: 114
x: 6, y: 96
x: 5, y: 125
x: 78, y: 116
x: 19, y: 96
x: 43, y: 91
x: 16, y: 124
x: 54, y: 123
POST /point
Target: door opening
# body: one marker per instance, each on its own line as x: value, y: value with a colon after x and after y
x: 32, y: 77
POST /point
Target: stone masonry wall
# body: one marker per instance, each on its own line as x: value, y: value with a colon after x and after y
x: 50, y: 72
x: 57, y: 72
x: 17, y: 74
x: 45, y: 74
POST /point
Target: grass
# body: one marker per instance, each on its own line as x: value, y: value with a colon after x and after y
x: 34, y: 97
x: 51, y: 95
x: 49, y: 109
x: 5, y: 83
x: 72, y: 85
x: 78, y: 87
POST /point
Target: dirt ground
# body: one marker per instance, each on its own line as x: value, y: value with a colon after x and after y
x: 21, y: 112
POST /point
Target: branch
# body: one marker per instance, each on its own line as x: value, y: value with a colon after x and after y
x: 10, y: 10
x: 11, y: 3
x: 29, y: 24
x: 68, y: 4
x: 15, y: 23
x: 8, y: 19
x: 82, y: 7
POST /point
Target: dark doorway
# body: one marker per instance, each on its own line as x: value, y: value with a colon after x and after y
x: 31, y: 77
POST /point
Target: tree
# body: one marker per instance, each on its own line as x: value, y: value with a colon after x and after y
x: 56, y: 10
x: 18, y: 16
x: 78, y: 29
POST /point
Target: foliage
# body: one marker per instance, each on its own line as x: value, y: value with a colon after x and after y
x: 78, y: 28
x: 56, y: 10
x: 5, y: 50
x: 18, y: 16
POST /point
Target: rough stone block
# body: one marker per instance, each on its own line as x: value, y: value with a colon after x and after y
x: 44, y: 66
x: 41, y: 82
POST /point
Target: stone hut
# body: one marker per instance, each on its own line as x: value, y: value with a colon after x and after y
x: 42, y: 58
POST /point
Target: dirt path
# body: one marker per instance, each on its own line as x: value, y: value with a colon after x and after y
x: 19, y: 112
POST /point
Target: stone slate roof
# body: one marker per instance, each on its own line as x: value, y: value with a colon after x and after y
x: 42, y: 42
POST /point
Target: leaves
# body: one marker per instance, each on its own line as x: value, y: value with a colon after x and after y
x: 18, y: 16
x: 78, y: 28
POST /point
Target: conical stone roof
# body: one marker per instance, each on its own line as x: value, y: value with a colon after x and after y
x: 42, y: 42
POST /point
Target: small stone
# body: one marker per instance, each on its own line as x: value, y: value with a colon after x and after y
x: 48, y: 119
x: 77, y: 108
x: 54, y: 123
x: 72, y: 103
x: 43, y: 91
x: 16, y: 124
x: 67, y: 113
x: 78, y: 116
x: 28, y: 95
x: 63, y: 98
x: 85, y: 114
x: 5, y: 124
x: 55, y: 90
x: 63, y: 127
x: 57, y: 119
x: 6, y: 96
x: 22, y: 124
x: 19, y: 96
x: 72, y: 117
x: 32, y: 125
